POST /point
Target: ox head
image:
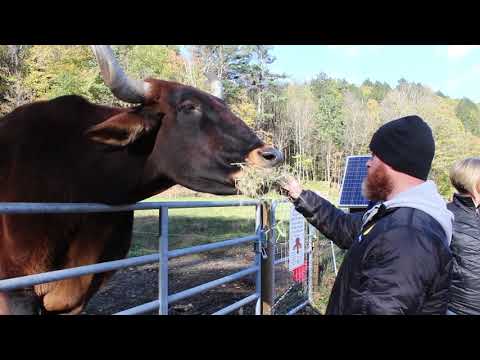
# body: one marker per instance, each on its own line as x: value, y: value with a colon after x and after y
x: 192, y: 138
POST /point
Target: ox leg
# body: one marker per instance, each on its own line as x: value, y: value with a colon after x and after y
x: 117, y: 247
x: 108, y: 238
x: 66, y: 295
x: 75, y: 311
x: 85, y: 248
x: 4, y: 304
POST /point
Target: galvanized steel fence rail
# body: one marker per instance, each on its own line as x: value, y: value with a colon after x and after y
x: 280, y: 245
x: 162, y: 257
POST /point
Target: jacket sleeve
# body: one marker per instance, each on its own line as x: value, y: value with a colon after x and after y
x: 398, y: 270
x: 336, y: 225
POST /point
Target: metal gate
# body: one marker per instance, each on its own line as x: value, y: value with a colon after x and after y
x: 292, y: 292
x: 289, y: 295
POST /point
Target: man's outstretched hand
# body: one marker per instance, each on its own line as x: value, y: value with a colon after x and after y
x: 290, y: 186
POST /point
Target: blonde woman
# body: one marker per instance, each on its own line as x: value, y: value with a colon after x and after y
x: 465, y: 246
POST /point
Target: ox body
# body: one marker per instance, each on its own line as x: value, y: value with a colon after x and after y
x: 70, y: 150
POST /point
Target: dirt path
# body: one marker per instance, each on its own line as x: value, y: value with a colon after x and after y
x: 138, y: 285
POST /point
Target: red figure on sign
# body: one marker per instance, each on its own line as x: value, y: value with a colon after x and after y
x: 297, y: 245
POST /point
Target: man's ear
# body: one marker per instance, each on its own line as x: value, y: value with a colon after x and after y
x: 125, y: 128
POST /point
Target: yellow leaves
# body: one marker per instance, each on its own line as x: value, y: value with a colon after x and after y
x: 373, y: 109
x: 157, y: 61
x: 366, y: 90
x: 452, y: 143
x: 244, y: 109
x: 44, y: 57
x: 54, y: 70
x: 373, y: 106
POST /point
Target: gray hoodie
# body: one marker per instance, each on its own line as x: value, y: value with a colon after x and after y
x: 425, y: 197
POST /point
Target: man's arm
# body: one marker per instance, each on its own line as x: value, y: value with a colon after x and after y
x: 336, y: 225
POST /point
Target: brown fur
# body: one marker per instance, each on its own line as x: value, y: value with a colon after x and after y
x: 69, y: 150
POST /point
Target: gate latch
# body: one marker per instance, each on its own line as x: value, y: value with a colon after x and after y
x: 262, y: 244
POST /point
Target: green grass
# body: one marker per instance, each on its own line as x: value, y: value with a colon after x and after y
x: 190, y: 227
x: 326, y: 275
x: 331, y: 192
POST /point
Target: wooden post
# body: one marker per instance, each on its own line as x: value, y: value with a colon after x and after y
x: 267, y: 288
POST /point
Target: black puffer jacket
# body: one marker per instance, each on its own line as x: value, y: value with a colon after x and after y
x: 402, y: 264
x: 465, y: 246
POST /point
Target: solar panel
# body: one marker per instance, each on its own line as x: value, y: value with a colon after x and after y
x: 351, y: 191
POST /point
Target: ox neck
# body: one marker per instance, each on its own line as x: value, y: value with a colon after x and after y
x: 151, y: 188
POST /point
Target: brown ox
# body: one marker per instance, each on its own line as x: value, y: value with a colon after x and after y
x: 70, y: 150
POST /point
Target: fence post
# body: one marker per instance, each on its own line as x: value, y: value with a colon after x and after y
x: 267, y: 291
x: 163, y: 266
x: 311, y: 235
x: 316, y: 250
x: 333, y: 258
x: 258, y: 258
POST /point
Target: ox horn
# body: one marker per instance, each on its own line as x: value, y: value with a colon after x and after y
x: 215, y: 84
x: 123, y: 87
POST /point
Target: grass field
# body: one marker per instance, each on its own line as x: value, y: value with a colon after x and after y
x: 188, y: 227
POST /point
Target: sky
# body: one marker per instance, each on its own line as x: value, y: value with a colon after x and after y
x: 452, y: 69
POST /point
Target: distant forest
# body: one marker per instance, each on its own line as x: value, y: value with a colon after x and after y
x: 316, y: 124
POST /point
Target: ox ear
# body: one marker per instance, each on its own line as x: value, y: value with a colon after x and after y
x: 126, y: 128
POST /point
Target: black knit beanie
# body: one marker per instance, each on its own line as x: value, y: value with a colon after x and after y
x: 406, y: 144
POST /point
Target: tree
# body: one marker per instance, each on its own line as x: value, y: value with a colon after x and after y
x: 380, y: 90
x: 53, y: 71
x: 243, y: 69
x: 300, y: 111
x: 329, y: 123
x: 401, y: 82
x: 368, y: 83
x: 279, y: 125
x: 12, y: 91
x: 468, y: 112
x: 439, y: 93
x: 157, y: 61
x: 244, y: 108
x: 409, y: 99
x: 360, y: 121
x: 228, y: 62
x: 451, y: 145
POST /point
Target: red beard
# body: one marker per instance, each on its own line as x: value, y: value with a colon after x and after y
x: 378, y: 185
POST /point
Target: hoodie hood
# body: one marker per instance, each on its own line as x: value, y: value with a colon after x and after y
x: 425, y: 197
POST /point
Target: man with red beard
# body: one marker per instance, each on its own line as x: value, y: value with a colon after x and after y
x: 399, y: 260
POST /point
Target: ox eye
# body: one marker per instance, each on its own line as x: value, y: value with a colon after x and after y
x: 188, y: 107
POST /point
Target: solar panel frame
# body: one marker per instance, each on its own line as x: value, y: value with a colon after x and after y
x: 350, y: 204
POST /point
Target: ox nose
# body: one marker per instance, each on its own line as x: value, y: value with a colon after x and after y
x: 271, y: 156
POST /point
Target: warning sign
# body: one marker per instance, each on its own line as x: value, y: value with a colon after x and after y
x: 296, y: 240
